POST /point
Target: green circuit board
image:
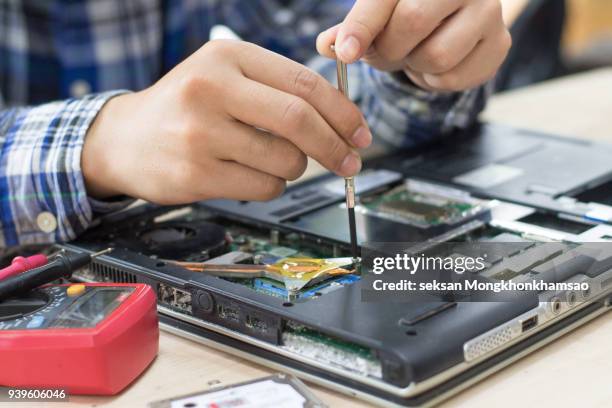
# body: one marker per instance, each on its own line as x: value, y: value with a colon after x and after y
x: 417, y: 208
x: 319, y: 337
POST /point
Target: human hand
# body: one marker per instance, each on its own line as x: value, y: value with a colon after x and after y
x: 199, y: 133
x: 442, y: 45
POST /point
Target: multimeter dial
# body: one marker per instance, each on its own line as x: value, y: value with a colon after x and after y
x: 17, y: 308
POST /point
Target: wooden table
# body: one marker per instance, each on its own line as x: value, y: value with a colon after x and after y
x: 575, y: 370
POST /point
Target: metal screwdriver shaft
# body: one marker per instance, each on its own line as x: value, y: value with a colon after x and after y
x: 349, y: 182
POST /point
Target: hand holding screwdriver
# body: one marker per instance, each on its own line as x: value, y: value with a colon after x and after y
x: 440, y: 45
x: 234, y: 115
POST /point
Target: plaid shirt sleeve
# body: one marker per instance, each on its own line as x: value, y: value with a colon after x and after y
x: 42, y: 191
x: 402, y: 115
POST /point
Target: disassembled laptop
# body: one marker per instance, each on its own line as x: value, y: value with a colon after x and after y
x: 274, y: 283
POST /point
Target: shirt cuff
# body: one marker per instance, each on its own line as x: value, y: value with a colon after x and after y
x: 110, y: 205
x: 42, y: 171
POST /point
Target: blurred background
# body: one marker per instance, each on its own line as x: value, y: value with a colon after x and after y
x: 552, y: 40
x: 587, y: 40
x: 558, y: 37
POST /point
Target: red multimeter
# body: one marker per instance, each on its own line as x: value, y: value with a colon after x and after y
x: 84, y: 338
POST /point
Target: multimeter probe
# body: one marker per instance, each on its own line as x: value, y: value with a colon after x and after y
x: 60, y: 266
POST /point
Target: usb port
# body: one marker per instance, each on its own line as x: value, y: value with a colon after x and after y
x: 529, y: 323
x: 228, y: 313
x: 256, y: 323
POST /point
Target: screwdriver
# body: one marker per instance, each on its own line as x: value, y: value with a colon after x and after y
x: 349, y: 182
x: 60, y: 266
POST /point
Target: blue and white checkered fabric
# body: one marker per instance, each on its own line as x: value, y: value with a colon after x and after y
x: 80, y: 53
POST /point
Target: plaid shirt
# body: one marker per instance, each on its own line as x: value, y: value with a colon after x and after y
x: 81, y: 52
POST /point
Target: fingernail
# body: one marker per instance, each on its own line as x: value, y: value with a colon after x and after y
x: 362, y: 137
x: 351, y: 164
x: 349, y: 49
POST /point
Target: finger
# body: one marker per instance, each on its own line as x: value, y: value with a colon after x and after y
x: 261, y: 151
x: 363, y: 23
x: 373, y: 58
x: 246, y: 184
x: 450, y: 44
x: 296, y: 120
x: 326, y: 39
x: 417, y: 79
x: 479, y: 67
x: 411, y: 23
x: 293, y: 78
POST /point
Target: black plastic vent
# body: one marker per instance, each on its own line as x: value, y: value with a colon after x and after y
x: 106, y: 273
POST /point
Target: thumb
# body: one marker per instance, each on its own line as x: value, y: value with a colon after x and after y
x: 361, y: 26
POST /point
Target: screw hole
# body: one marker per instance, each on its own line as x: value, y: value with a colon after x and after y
x: 160, y: 264
x: 411, y: 332
x: 287, y: 304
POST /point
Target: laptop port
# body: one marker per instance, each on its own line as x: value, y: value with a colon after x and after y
x: 571, y: 299
x: 586, y: 293
x: 555, y: 305
x: 256, y: 323
x: 175, y: 298
x: 227, y: 312
x: 529, y: 324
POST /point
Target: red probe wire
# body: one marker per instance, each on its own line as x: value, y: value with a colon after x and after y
x: 21, y: 264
